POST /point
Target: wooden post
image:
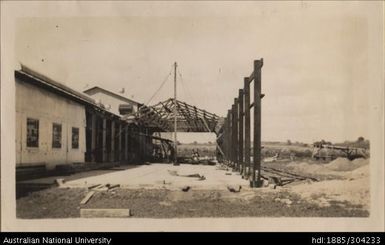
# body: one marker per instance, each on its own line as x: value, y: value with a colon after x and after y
x: 104, y: 140
x: 93, y: 137
x: 232, y: 135
x: 229, y: 136
x: 224, y: 143
x: 175, y: 119
x: 126, y: 145
x: 235, y: 130
x: 256, y: 182
x: 112, y: 153
x: 240, y: 132
x: 120, y: 142
x: 247, y: 124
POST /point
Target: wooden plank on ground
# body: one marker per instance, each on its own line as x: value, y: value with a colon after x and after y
x: 87, y: 197
x: 104, y: 213
x: 94, y: 186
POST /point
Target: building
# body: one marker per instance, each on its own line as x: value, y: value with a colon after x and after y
x: 50, y: 121
x: 58, y: 126
x: 111, y: 101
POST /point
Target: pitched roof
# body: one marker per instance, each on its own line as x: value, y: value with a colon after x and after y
x: 96, y: 89
x: 28, y: 75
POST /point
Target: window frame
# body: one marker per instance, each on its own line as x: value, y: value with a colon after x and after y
x: 61, y: 136
x: 72, y: 137
x: 28, y: 143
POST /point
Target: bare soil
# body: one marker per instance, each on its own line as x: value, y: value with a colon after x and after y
x: 158, y: 203
x: 152, y: 192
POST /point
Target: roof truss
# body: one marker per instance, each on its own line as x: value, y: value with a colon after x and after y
x: 189, y: 118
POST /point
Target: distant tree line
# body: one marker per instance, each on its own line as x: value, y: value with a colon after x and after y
x: 361, y: 142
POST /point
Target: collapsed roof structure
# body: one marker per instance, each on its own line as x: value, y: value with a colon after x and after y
x: 160, y: 117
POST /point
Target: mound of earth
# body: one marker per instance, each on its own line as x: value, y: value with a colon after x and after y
x: 352, y: 188
x: 339, y: 167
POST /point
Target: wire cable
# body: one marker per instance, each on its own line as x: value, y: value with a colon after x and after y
x: 185, y: 88
x: 160, y: 87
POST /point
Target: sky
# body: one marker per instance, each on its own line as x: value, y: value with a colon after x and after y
x: 315, y: 73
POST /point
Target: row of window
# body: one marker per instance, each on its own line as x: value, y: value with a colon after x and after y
x: 33, y: 134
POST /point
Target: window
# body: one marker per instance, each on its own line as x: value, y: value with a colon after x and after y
x: 32, y: 132
x: 56, y: 135
x: 75, y: 138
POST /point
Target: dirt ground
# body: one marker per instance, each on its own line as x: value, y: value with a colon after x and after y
x: 154, y: 191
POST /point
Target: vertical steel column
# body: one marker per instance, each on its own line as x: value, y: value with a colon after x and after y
x: 112, y: 152
x: 233, y: 135
x: 247, y: 125
x: 236, y: 122
x: 93, y: 137
x: 240, y: 132
x: 223, y: 139
x: 126, y: 145
x: 120, y: 142
x: 104, y: 140
x: 256, y: 182
x: 229, y: 137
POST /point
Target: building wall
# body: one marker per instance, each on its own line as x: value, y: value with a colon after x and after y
x: 48, y: 108
x: 110, y: 101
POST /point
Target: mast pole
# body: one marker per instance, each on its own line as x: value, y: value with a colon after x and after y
x: 175, y: 119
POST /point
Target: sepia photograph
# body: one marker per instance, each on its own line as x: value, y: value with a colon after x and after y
x: 192, y: 116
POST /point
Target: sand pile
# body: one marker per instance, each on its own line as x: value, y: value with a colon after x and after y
x: 353, y: 188
x: 305, y: 167
x: 344, y: 164
x: 361, y: 172
x: 354, y: 191
x: 338, y: 167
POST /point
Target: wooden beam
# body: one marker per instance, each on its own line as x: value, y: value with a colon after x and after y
x: 256, y: 182
x: 234, y: 133
x: 240, y: 131
x: 104, y: 140
x: 247, y: 124
x: 104, y: 213
x: 120, y: 142
x: 230, y: 135
x: 251, y: 77
x: 126, y: 143
x: 87, y: 197
x: 252, y: 104
x: 112, y: 150
x: 93, y: 137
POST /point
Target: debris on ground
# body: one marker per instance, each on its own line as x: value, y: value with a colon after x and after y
x: 175, y: 173
x: 87, y: 197
x: 104, y: 213
x: 94, y: 186
x: 101, y: 187
x: 112, y: 187
x: 345, y: 194
x: 59, y: 182
x: 284, y: 200
x: 162, y: 203
x: 234, y: 189
x: 202, y: 178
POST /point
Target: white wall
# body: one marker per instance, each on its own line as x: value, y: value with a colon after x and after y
x: 108, y: 100
x: 48, y: 108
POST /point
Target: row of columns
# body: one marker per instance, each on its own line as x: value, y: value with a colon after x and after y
x: 236, y: 142
x: 114, y: 148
